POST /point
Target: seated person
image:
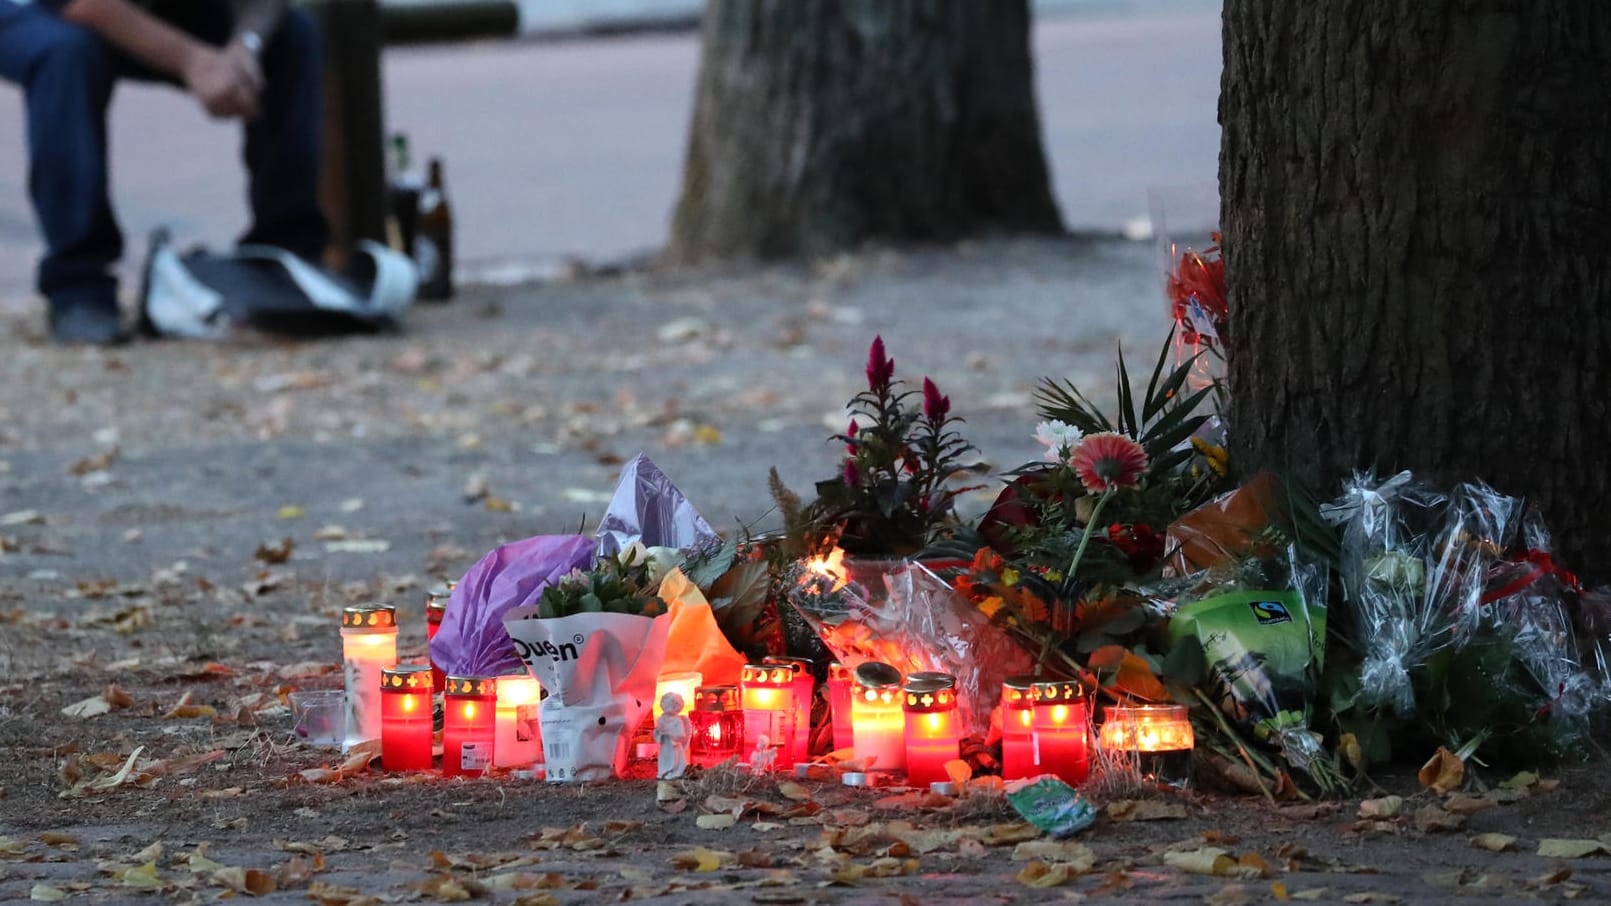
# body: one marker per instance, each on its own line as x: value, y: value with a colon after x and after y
x: 252, y: 60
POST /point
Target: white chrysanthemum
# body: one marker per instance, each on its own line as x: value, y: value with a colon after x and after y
x: 1059, y: 439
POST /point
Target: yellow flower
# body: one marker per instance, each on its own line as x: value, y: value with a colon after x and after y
x: 991, y: 606
x: 1217, y: 458
x: 1009, y: 576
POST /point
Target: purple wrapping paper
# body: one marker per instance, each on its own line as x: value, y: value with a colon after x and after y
x: 647, y: 507
x: 472, y: 640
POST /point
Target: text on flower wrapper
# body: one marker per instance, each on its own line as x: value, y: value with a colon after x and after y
x: 530, y: 651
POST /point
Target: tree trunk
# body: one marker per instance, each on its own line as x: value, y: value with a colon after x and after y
x: 1416, y: 216
x: 820, y: 124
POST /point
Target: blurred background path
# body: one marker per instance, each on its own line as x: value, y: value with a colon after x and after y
x: 573, y: 148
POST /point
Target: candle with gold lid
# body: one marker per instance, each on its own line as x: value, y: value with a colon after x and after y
x: 767, y: 692
x: 368, y: 645
x: 929, y: 701
x: 878, y: 722
x: 805, y: 696
x: 1061, y: 731
x: 718, y: 725
x: 469, y: 724
x: 406, y: 722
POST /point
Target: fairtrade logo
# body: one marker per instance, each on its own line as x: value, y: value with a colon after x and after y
x: 1268, y: 613
x: 530, y: 651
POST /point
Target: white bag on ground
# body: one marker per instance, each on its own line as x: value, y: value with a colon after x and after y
x: 599, y: 670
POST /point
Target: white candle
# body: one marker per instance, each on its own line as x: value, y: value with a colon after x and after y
x: 368, y: 646
x: 517, y: 741
x: 876, y: 717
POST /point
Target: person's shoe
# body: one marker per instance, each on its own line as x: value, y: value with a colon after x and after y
x: 81, y: 324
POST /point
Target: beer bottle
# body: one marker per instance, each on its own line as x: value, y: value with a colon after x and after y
x: 403, y: 201
x: 433, y: 238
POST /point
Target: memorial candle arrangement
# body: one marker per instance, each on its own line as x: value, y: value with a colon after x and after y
x: 368, y: 645
x: 469, y: 724
x: 1017, y: 728
x: 718, y: 725
x: 877, y: 721
x: 839, y: 701
x: 518, y: 741
x: 929, y: 701
x: 1158, y: 738
x: 405, y: 718
x: 684, y: 684
x: 435, y: 609
x: 805, y: 696
x: 1061, y: 731
x: 767, y: 692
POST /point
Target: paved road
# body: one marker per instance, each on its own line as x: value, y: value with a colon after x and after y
x: 574, y: 148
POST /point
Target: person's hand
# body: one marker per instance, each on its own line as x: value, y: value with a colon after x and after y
x: 227, y: 81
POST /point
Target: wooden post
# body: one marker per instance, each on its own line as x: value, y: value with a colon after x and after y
x: 353, y: 185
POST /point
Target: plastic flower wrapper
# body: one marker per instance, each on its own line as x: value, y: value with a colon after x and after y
x: 472, y: 640
x: 1262, y: 632
x: 1185, y: 232
x: 649, y: 509
x: 1388, y: 566
x: 595, y: 641
x: 915, y: 622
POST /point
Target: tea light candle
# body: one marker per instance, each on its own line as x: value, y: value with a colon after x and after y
x: 767, y: 693
x: 839, y: 702
x: 405, y: 718
x: 469, y: 724
x: 1017, y: 728
x: 436, y: 603
x: 368, y: 645
x: 518, y: 741
x: 805, y: 698
x: 1060, y: 731
x: 875, y: 713
x: 930, y: 703
x: 718, y: 725
x: 1159, y: 737
x: 684, y: 684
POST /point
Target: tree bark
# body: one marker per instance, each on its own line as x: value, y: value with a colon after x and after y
x: 1416, y: 211
x: 820, y: 124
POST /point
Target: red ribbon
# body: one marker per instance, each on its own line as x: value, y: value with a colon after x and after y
x: 1542, y: 565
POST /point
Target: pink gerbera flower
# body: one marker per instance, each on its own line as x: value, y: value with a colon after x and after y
x: 1107, y: 461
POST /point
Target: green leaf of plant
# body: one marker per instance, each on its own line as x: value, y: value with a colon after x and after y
x: 1127, y: 403
x: 1154, y: 401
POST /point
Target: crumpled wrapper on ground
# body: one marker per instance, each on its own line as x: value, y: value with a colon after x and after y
x: 1052, y: 805
x: 599, y: 670
x: 694, y: 642
x: 1263, y: 650
x: 915, y: 622
x: 471, y: 640
x: 1221, y: 529
x: 649, y: 509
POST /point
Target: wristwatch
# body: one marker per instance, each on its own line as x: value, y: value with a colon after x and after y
x: 252, y: 41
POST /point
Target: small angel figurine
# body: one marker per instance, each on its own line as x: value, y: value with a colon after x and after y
x: 673, y: 733
x: 764, y: 756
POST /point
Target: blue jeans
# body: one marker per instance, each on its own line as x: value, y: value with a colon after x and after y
x: 67, y: 74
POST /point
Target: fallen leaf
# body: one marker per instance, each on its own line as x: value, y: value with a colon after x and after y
x: 1521, y: 781
x: 1385, y: 807
x: 358, y: 546
x: 1145, y: 810
x: 701, y: 859
x: 47, y: 894
x: 58, y: 838
x: 1310, y: 893
x: 143, y: 877
x: 1229, y: 895
x: 715, y: 822
x: 1494, y: 843
x: 1461, y: 804
x: 94, y: 706
x: 1204, y: 861
x: 1056, y: 852
x: 1443, y: 772
x: 1040, y: 874
x: 1373, y: 896
x: 185, y: 710
x: 273, y: 553
x: 1557, y: 848
x: 1501, y: 796
x: 289, y: 511
x: 1433, y: 818
x: 795, y: 791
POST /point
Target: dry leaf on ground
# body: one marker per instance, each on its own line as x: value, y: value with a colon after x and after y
x: 1494, y: 843
x: 1443, y: 772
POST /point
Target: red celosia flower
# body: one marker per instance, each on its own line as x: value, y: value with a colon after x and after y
x: 1107, y: 460
x: 935, y: 406
x: 852, y: 475
x: 880, y: 368
x: 850, y: 433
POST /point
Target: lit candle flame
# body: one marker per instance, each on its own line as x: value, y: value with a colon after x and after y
x: 831, y: 566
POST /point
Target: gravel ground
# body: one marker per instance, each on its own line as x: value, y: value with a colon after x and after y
x: 146, y: 493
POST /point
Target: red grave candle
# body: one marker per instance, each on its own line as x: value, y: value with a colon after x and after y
x: 405, y: 718
x: 805, y: 696
x: 436, y: 603
x: 839, y: 701
x: 469, y: 724
x: 1061, y: 731
x: 930, y: 704
x: 768, y: 698
x: 1017, y: 728
x: 718, y: 725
